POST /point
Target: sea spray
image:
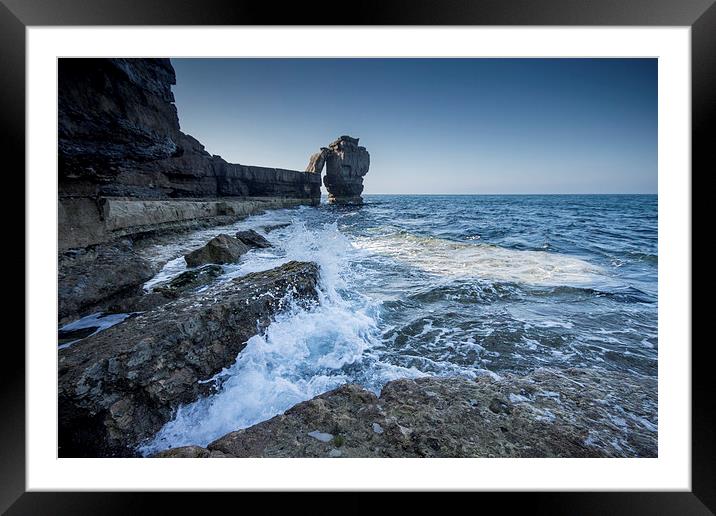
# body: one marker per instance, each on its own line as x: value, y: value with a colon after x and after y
x: 416, y: 285
x: 304, y: 352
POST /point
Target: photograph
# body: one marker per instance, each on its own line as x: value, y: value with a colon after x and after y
x: 336, y: 257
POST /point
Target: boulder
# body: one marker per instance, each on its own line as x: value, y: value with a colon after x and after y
x: 220, y: 249
x: 120, y: 386
x: 91, y: 278
x: 252, y: 239
x: 546, y: 413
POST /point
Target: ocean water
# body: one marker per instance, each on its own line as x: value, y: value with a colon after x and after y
x: 436, y: 285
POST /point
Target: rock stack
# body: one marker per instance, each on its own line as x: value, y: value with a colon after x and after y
x: 346, y: 163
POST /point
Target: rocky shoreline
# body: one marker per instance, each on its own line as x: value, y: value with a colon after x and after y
x: 121, y: 385
x: 128, y: 178
x: 547, y: 413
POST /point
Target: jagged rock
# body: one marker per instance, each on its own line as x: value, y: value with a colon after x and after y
x: 252, y: 239
x: 346, y: 164
x: 189, y: 280
x: 121, y: 385
x: 220, y: 249
x: 547, y: 413
x: 91, y: 278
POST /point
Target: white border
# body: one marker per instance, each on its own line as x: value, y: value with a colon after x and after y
x: 671, y: 471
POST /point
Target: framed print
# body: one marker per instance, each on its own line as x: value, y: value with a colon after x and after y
x: 426, y: 249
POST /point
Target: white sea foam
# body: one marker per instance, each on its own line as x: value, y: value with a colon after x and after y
x: 302, y: 354
x: 446, y: 257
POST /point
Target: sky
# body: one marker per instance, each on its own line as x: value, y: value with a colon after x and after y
x: 436, y: 126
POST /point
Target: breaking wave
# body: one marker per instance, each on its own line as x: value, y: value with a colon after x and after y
x: 397, y: 301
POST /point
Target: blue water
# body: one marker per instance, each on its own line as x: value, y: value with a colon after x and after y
x: 439, y: 285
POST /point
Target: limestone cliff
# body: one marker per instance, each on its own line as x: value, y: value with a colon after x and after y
x: 119, y: 137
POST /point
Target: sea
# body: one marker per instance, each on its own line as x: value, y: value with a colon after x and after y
x: 415, y: 285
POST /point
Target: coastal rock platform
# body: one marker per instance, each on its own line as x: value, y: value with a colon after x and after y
x: 547, y: 413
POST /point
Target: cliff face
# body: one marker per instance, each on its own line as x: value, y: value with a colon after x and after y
x: 119, y: 137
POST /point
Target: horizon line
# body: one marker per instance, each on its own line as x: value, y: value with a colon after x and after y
x: 503, y: 193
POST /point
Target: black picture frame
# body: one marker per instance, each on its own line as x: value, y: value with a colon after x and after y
x: 17, y: 15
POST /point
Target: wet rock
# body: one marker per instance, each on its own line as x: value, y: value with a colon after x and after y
x: 337, y: 412
x: 118, y: 387
x: 190, y: 280
x: 66, y: 336
x: 562, y: 414
x: 91, y: 278
x: 220, y: 249
x: 252, y: 239
x: 140, y: 303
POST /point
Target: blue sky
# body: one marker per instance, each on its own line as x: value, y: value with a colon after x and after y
x: 436, y: 125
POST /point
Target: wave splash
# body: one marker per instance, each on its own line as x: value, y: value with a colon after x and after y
x: 303, y: 353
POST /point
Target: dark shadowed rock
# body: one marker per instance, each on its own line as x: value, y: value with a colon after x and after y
x: 220, y: 249
x: 252, y: 239
x: 548, y: 413
x: 121, y: 385
x: 91, y: 278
